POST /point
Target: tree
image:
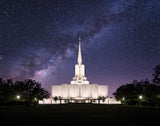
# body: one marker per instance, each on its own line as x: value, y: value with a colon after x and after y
x: 60, y: 99
x: 103, y: 99
x: 6, y: 91
x: 156, y: 75
x: 55, y: 98
x: 151, y: 94
x: 29, y: 90
x: 99, y: 99
x: 129, y: 92
x: 34, y: 90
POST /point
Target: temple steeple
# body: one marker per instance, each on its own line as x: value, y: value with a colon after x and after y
x: 79, y: 69
x: 79, y: 53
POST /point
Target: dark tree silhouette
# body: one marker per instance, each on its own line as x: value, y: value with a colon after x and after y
x: 156, y: 75
x: 29, y: 92
x: 150, y: 90
x: 60, y: 99
x: 101, y: 98
x: 129, y: 93
x: 55, y: 98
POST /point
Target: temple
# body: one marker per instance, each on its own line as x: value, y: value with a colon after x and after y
x: 79, y: 90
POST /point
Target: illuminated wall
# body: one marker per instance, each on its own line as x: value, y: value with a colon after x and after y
x: 94, y: 91
x: 65, y: 90
x: 79, y: 70
x: 74, y: 90
x: 56, y: 90
x: 85, y: 90
x: 103, y: 90
x: 80, y: 91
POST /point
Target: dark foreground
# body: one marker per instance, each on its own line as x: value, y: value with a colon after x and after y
x: 79, y: 114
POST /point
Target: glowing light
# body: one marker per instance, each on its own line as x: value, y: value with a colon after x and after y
x: 123, y: 98
x: 18, y: 96
x: 140, y: 97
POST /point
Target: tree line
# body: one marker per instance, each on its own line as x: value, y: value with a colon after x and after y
x: 144, y: 92
x: 26, y: 92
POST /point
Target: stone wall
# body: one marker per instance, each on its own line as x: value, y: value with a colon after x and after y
x: 80, y: 91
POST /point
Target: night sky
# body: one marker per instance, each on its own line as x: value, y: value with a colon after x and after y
x: 39, y: 40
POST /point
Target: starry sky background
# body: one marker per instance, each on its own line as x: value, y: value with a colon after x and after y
x: 39, y: 40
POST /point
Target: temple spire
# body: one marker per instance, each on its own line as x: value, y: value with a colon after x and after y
x: 79, y: 53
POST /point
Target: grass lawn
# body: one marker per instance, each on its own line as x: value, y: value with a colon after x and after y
x: 80, y: 114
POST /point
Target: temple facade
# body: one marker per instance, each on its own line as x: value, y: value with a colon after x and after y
x: 79, y: 89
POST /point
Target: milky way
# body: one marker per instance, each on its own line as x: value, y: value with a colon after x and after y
x: 39, y: 40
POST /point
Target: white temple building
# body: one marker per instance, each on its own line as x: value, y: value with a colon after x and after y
x: 79, y: 90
